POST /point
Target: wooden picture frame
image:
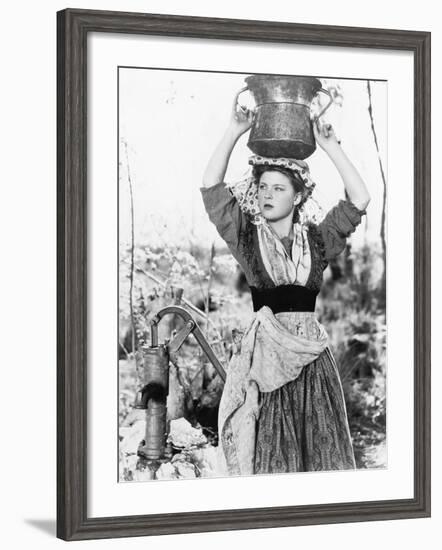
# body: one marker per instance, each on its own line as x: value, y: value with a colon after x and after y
x: 73, y: 27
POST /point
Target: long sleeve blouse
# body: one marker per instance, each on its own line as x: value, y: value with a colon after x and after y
x: 326, y: 239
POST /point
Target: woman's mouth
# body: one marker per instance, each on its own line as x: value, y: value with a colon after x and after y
x: 268, y: 205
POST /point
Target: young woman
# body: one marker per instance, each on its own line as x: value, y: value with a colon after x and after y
x: 282, y: 408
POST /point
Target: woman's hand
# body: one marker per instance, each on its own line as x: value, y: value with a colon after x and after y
x: 241, y: 118
x: 325, y: 135
x: 240, y: 121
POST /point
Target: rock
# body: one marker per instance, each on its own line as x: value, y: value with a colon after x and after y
x: 132, y: 436
x: 133, y: 416
x: 143, y: 472
x: 176, y: 399
x: 167, y: 471
x: 182, y: 434
x: 205, y: 461
x: 184, y: 468
x: 197, y: 459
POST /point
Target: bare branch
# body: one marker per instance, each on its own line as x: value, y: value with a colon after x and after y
x: 384, y: 181
x: 132, y: 246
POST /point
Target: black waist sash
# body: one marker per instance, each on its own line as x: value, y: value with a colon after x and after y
x: 284, y: 298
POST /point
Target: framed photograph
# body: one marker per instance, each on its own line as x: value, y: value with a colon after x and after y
x: 243, y: 212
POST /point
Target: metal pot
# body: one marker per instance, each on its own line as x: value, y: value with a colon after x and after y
x: 282, y: 125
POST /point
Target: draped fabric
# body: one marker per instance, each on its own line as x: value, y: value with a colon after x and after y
x: 269, y: 357
x: 339, y: 223
x: 282, y: 268
x: 303, y: 425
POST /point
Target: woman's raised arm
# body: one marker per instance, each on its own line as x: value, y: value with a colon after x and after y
x: 354, y: 185
x: 240, y: 121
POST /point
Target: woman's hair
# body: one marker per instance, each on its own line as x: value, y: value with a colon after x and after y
x: 295, y: 180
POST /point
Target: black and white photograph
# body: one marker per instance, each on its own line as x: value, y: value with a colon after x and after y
x: 252, y: 268
x: 220, y: 237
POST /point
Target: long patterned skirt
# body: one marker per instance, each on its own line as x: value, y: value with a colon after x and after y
x: 303, y: 425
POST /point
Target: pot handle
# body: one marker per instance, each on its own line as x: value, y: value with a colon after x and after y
x: 243, y: 89
x: 328, y: 105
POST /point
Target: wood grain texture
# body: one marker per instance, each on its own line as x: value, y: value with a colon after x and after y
x: 72, y: 28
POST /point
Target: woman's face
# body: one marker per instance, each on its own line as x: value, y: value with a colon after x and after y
x: 276, y: 195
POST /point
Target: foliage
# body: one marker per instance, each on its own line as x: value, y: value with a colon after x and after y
x: 351, y: 308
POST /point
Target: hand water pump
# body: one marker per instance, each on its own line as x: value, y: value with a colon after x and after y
x: 152, y: 397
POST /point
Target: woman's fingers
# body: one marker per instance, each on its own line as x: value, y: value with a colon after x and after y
x: 317, y: 127
x: 241, y: 113
x: 324, y: 133
x: 322, y: 129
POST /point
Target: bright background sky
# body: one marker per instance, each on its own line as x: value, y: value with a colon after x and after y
x: 172, y: 121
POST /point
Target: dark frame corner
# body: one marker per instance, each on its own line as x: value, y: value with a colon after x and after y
x: 73, y: 25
